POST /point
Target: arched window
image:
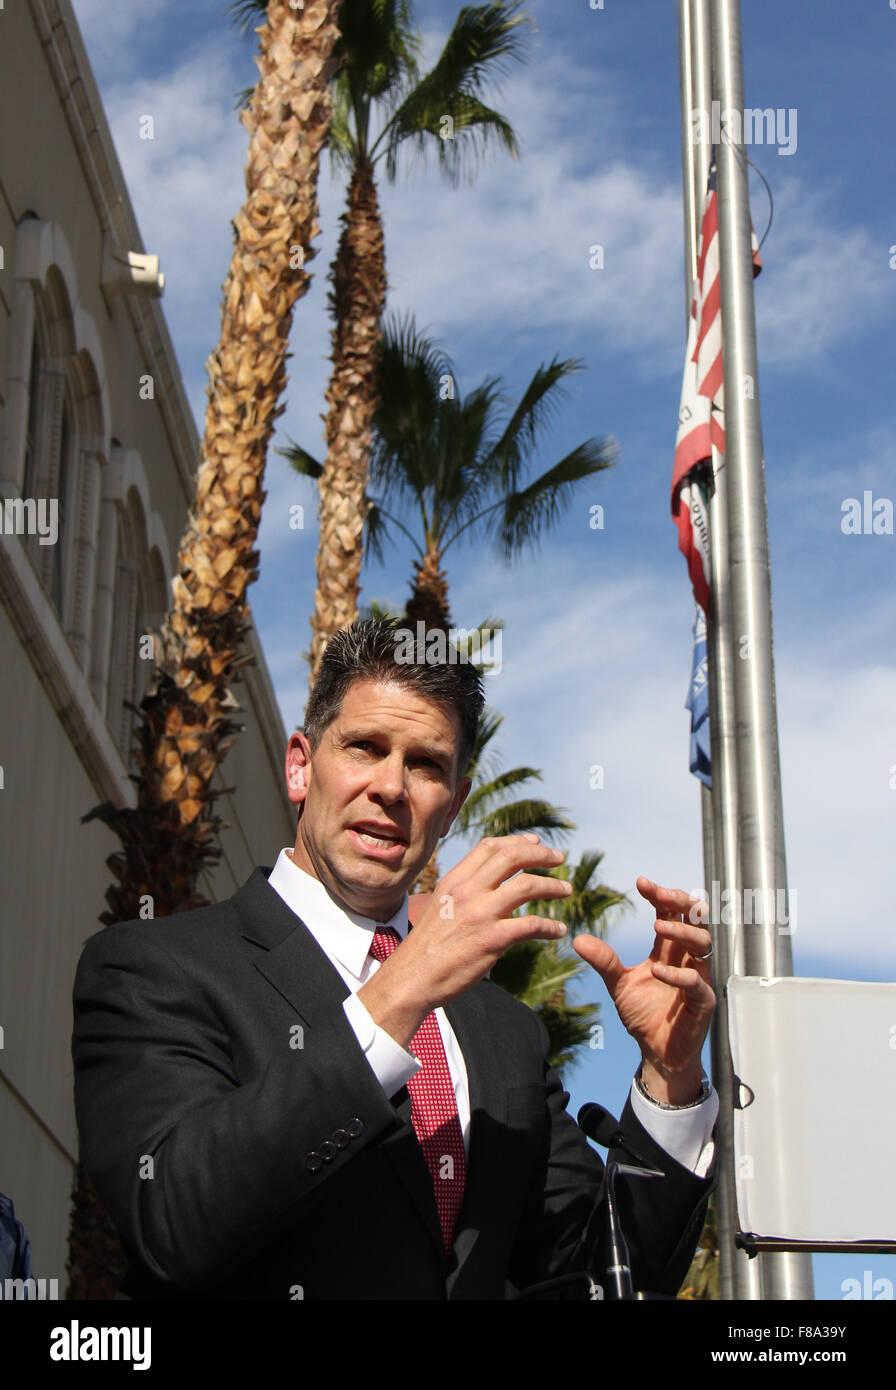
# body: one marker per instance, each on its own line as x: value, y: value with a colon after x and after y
x: 39, y: 433
x: 64, y: 454
x: 138, y: 608
x: 31, y: 440
x: 66, y: 479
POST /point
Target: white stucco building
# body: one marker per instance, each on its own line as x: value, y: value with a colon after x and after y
x: 78, y: 335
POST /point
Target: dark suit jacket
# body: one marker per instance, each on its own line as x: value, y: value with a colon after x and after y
x: 236, y: 1133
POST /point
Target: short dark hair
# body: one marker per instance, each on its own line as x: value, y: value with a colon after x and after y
x: 376, y: 649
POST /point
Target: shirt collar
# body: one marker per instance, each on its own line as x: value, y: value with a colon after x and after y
x: 342, y: 933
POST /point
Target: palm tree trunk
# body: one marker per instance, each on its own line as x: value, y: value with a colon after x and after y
x: 186, y: 719
x: 429, y: 593
x: 356, y: 301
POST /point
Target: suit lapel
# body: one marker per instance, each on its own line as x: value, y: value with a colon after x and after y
x: 299, y: 970
x: 469, y: 1021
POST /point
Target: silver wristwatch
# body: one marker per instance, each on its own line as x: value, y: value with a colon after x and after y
x: 705, y: 1088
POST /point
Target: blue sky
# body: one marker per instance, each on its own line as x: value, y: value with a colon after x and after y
x: 596, y: 650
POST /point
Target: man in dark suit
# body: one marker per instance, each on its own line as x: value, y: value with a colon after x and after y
x: 251, y: 1110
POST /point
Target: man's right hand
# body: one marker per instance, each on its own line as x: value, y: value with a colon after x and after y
x: 464, y: 929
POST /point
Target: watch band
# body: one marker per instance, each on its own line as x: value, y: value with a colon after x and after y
x: 705, y: 1088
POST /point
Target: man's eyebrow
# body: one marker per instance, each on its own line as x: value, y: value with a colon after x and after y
x: 435, y: 750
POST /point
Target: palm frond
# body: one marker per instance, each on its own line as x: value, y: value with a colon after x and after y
x: 341, y: 141
x: 587, y: 866
x: 525, y: 515
x: 519, y: 816
x: 377, y: 49
x: 536, y: 406
x: 590, y: 907
x: 482, y: 798
x: 483, y: 38
x: 300, y: 460
x: 381, y: 610
x: 482, y: 758
x: 472, y: 643
x: 411, y: 374
x: 248, y: 15
x: 376, y: 533
x: 465, y: 440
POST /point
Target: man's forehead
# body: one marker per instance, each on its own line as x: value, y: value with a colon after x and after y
x: 390, y: 705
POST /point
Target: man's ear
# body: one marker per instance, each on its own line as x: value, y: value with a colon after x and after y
x: 298, y: 768
x: 460, y: 796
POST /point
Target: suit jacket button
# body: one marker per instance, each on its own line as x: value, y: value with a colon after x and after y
x: 328, y: 1151
x: 313, y: 1162
x: 354, y: 1127
x: 340, y: 1138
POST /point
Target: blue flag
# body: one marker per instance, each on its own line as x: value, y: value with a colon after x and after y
x: 698, y: 702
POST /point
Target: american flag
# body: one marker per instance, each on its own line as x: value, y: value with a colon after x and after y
x: 701, y: 417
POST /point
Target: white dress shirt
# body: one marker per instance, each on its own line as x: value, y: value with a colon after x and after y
x: 345, y: 937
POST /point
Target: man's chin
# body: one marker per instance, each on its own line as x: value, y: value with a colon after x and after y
x: 373, y: 883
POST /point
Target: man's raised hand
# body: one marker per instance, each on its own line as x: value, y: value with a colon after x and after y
x: 667, y: 1001
x: 464, y: 929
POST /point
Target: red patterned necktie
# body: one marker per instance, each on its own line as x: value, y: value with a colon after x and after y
x: 433, y: 1108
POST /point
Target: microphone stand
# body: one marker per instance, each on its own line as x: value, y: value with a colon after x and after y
x: 599, y: 1124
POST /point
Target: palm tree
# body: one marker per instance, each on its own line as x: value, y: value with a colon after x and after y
x: 456, y: 465
x: 186, y: 720
x: 444, y: 110
x: 490, y: 809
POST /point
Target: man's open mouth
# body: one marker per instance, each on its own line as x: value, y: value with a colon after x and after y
x: 378, y: 837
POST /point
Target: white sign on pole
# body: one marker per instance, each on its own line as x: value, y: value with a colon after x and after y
x: 815, y: 1140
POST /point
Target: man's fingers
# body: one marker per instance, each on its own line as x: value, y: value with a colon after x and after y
x: 602, y: 958
x: 497, y: 858
x: 527, y: 888
x: 688, y: 980
x: 509, y: 930
x: 696, y: 940
x: 670, y: 903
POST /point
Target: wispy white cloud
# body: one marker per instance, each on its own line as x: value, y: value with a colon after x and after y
x: 818, y: 480
x: 595, y: 675
x: 823, y: 281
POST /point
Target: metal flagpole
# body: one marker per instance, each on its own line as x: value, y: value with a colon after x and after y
x: 738, y: 1271
x: 692, y: 202
x: 690, y: 198
x: 763, y: 868
x: 739, y: 1276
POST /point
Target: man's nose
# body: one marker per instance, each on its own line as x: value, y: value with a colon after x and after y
x: 387, y: 780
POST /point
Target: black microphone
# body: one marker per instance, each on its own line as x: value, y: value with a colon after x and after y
x: 598, y: 1124
x: 605, y: 1129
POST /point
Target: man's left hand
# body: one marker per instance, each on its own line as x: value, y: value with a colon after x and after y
x: 667, y: 1001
